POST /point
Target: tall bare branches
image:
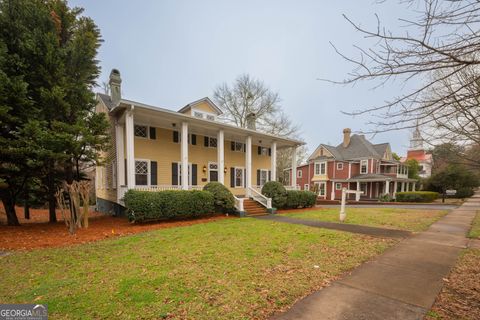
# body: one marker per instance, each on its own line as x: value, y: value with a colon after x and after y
x: 440, y: 50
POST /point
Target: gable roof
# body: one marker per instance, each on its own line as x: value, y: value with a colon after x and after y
x: 358, y: 148
x: 197, y: 102
x: 107, y: 101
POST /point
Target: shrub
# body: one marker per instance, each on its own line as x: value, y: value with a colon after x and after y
x: 463, y: 193
x: 417, y: 196
x: 385, y: 198
x: 300, y: 199
x: 224, y: 201
x: 277, y: 192
x: 162, y: 205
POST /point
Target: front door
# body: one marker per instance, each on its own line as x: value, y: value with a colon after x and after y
x: 322, y: 189
x: 212, y: 172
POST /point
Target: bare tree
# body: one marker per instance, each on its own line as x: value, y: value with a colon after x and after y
x: 248, y: 95
x: 440, y: 49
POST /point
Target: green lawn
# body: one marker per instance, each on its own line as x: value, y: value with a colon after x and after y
x: 228, y: 269
x: 475, y: 231
x: 404, y: 219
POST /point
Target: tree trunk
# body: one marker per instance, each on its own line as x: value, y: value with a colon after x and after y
x: 26, y: 205
x: 9, y: 205
x: 51, y: 194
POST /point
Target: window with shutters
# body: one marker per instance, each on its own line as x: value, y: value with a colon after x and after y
x: 142, y: 172
x: 141, y: 131
x: 263, y: 151
x: 210, y: 142
x: 180, y: 174
x: 263, y: 177
x: 239, y: 176
x: 238, y: 146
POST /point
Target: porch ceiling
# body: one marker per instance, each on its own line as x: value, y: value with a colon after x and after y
x: 163, y: 118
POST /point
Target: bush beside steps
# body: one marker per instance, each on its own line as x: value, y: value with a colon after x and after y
x: 291, y: 199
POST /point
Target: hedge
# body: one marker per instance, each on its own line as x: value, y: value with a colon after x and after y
x: 300, y: 199
x: 276, y: 191
x: 224, y: 201
x: 416, y: 196
x: 162, y: 205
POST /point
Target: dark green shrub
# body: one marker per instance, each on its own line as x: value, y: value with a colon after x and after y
x: 417, y: 196
x: 300, y: 199
x: 463, y: 193
x: 385, y: 198
x: 277, y: 192
x: 224, y: 201
x: 162, y: 205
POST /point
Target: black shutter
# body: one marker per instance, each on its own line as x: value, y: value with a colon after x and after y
x: 153, y: 133
x: 205, y: 141
x: 244, y: 178
x: 269, y: 175
x: 259, y: 150
x: 244, y: 147
x: 175, y: 136
x: 193, y: 139
x: 126, y: 175
x: 174, y: 173
x: 232, y: 177
x: 258, y: 177
x: 194, y: 174
x: 153, y: 173
x: 232, y: 145
x: 269, y: 152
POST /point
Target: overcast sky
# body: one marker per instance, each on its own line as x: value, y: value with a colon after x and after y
x: 173, y: 52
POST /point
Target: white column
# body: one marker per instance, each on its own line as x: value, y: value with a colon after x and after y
x: 248, y: 165
x: 357, y: 195
x: 332, y: 194
x: 129, y: 133
x: 273, y: 164
x: 387, y: 187
x: 395, y: 187
x: 120, y: 159
x: 413, y: 186
x: 407, y: 186
x: 184, y: 155
x: 221, y: 156
x: 294, y: 167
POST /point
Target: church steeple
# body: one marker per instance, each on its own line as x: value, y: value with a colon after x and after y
x: 416, y: 142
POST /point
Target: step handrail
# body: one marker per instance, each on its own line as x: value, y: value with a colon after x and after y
x: 239, y: 204
x: 260, y: 198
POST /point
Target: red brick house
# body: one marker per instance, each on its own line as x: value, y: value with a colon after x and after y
x: 355, y: 164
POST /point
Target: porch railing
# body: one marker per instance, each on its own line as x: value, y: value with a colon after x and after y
x: 292, y: 187
x: 260, y: 198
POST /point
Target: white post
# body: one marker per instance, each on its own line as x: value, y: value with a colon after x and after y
x: 342, y: 206
x: 357, y: 195
x: 120, y: 148
x: 184, y: 155
x: 273, y: 164
x: 387, y: 187
x: 413, y: 186
x: 248, y: 165
x: 129, y: 132
x: 407, y: 186
x: 395, y: 187
x: 402, y: 187
x: 294, y: 167
x: 221, y: 156
x: 332, y: 194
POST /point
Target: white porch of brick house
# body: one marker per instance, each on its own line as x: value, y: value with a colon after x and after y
x: 130, y: 113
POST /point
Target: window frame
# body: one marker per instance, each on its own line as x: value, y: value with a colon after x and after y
x: 306, y: 187
x: 337, y: 184
x: 340, y: 166
x: 148, y: 171
x: 319, y: 171
x: 210, y: 138
x: 263, y: 171
x: 366, y: 166
x: 242, y: 177
x: 299, y: 173
x: 179, y: 173
x: 236, y: 143
x: 147, y: 130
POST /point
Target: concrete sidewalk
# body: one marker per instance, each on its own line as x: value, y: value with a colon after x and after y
x: 402, y: 283
x: 354, y: 228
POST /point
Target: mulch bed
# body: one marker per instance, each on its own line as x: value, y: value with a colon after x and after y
x: 460, y: 296
x: 38, y: 233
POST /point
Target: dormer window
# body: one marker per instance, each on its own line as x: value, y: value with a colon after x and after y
x: 198, y: 114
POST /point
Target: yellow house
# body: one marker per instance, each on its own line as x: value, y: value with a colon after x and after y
x: 157, y: 149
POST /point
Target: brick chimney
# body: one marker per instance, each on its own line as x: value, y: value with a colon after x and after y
x: 252, y: 121
x: 115, y: 86
x: 346, y: 137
